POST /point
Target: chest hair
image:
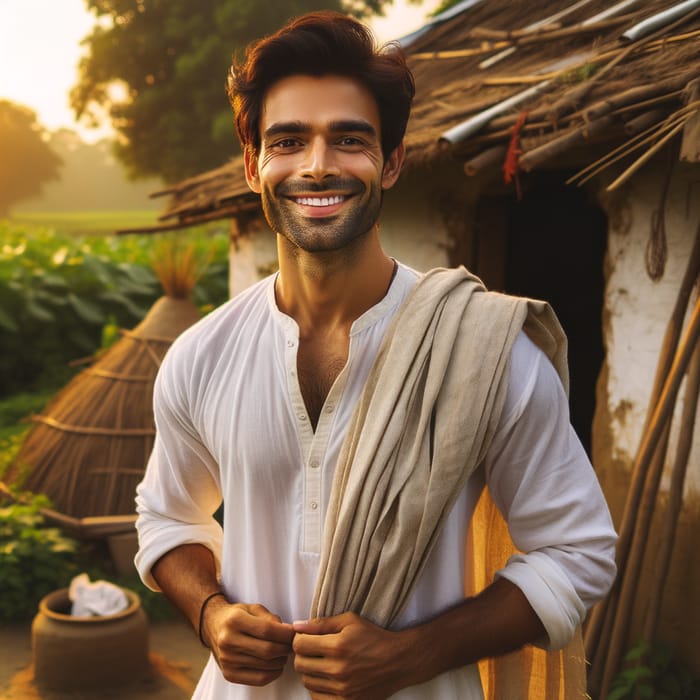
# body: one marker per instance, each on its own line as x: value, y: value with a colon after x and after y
x: 318, y: 366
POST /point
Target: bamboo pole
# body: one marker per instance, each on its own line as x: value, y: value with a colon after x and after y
x: 675, y: 503
x: 636, y: 94
x: 643, y: 121
x: 571, y: 99
x: 627, y: 174
x: 600, y: 654
x: 657, y: 426
x: 595, y: 630
x: 623, y: 150
x: 535, y: 157
x: 486, y: 160
x: 213, y: 215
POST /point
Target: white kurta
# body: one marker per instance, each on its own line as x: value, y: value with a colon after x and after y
x: 232, y: 424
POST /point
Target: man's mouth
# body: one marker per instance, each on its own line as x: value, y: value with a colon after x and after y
x: 319, y: 201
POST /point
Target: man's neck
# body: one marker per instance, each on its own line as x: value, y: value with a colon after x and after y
x: 331, y: 290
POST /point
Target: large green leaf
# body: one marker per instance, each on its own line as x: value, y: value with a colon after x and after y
x: 7, y: 322
x: 38, y: 312
x: 86, y: 309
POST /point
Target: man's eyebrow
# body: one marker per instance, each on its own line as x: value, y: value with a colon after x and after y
x: 353, y: 126
x: 339, y: 126
x: 286, y: 128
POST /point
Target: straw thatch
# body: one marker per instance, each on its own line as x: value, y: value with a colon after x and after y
x: 537, y: 83
x: 88, y: 450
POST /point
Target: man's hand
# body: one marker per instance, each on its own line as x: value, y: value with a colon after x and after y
x: 348, y: 657
x: 250, y: 644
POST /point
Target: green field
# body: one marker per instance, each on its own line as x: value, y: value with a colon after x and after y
x: 87, y: 222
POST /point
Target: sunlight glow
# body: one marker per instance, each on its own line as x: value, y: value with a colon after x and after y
x: 40, y: 50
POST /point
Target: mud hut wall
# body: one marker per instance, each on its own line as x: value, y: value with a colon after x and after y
x: 412, y: 227
x: 252, y: 254
x: 636, y: 313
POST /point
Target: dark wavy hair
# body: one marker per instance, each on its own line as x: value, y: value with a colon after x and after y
x: 318, y: 44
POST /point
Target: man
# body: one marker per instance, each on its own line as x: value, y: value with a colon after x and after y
x: 254, y: 406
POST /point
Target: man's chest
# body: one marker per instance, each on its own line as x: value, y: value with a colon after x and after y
x: 320, y: 361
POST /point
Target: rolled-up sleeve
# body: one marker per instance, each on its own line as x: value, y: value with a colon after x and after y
x: 541, y: 479
x: 180, y: 491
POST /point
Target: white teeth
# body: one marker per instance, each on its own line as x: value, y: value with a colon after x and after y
x: 319, y: 201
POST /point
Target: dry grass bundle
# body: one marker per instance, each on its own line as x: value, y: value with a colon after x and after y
x: 89, y: 448
x: 178, y: 266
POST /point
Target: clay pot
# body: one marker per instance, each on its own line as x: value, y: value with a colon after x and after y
x: 85, y: 652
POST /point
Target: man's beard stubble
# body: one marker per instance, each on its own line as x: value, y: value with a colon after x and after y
x: 325, y: 234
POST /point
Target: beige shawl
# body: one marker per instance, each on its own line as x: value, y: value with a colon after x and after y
x: 425, y: 420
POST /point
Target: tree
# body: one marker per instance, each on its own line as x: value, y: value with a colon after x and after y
x: 27, y: 160
x: 171, y: 58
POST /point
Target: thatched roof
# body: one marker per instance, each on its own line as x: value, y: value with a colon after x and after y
x: 88, y: 450
x: 524, y: 84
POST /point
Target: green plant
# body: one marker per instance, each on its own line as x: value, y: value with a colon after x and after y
x: 62, y: 296
x: 34, y: 559
x: 653, y: 672
x: 10, y: 442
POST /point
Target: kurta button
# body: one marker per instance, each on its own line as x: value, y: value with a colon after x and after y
x: 290, y: 343
x: 314, y: 463
x: 302, y: 416
x: 314, y: 505
x: 329, y: 409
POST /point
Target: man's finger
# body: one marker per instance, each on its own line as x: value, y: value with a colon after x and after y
x: 323, y: 625
x: 261, y: 625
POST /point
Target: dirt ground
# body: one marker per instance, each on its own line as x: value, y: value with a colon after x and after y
x: 176, y: 659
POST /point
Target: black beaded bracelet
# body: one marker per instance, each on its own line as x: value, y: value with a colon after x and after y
x: 201, y: 613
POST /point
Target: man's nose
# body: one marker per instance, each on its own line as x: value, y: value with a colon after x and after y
x: 319, y: 160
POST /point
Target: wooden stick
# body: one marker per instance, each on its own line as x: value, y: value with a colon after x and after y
x: 627, y: 174
x: 573, y: 97
x: 194, y: 219
x: 636, y: 94
x: 535, y: 157
x: 600, y: 651
x: 669, y: 345
x: 675, y: 502
x: 643, y: 121
x: 486, y: 160
x: 650, y: 442
x: 622, y: 151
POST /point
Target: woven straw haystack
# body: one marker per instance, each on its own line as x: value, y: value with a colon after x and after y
x: 88, y: 450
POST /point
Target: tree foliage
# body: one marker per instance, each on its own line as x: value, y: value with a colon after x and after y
x: 171, y: 58
x: 27, y: 160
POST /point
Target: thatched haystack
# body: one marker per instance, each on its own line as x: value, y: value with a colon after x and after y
x: 88, y: 450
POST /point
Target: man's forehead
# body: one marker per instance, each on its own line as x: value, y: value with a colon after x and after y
x: 310, y: 99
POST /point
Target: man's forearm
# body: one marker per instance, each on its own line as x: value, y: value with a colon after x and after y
x: 497, y: 621
x: 348, y: 656
x: 187, y: 575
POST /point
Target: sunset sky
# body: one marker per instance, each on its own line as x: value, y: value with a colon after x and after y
x: 40, y: 49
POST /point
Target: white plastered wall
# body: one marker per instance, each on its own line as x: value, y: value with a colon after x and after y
x: 637, y: 308
x: 636, y: 314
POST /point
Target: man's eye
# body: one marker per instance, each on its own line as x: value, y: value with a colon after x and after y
x: 285, y: 143
x: 350, y: 141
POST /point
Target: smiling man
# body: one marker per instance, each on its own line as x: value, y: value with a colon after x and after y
x: 349, y: 424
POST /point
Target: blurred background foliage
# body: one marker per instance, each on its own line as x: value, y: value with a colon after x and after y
x: 62, y: 297
x: 158, y: 70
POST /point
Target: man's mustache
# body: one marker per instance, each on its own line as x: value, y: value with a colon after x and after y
x: 346, y: 185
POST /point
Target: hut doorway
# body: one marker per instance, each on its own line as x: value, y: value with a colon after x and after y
x: 550, y: 245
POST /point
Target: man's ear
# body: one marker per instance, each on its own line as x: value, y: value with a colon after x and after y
x: 250, y: 160
x: 392, y: 166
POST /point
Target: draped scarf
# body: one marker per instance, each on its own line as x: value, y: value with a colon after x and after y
x: 425, y: 420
